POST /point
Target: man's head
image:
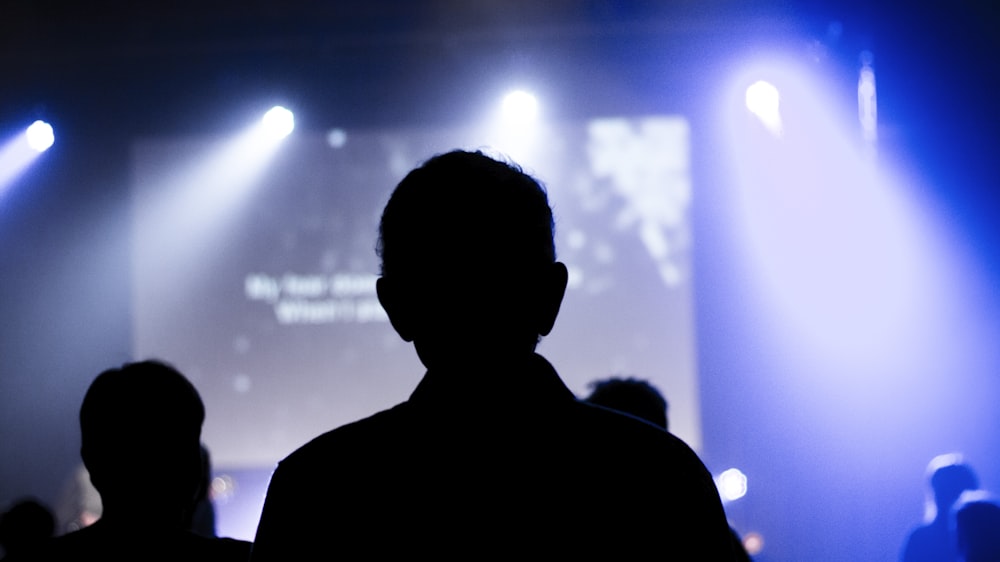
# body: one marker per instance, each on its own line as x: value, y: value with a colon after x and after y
x: 949, y: 477
x: 977, y: 526
x: 468, y: 259
x: 141, y: 436
x: 631, y: 395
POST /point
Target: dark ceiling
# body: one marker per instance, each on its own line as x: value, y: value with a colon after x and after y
x: 151, y: 64
x: 150, y: 67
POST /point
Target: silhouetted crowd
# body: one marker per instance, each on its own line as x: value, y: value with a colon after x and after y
x: 963, y: 522
x: 491, y: 455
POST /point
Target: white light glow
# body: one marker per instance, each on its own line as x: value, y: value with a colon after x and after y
x: 279, y: 122
x: 732, y: 484
x: 209, y: 184
x: 40, y: 136
x: 754, y: 543
x: 16, y: 155
x: 520, y: 106
x: 763, y: 100
x: 514, y: 127
x: 868, y: 103
x: 336, y: 138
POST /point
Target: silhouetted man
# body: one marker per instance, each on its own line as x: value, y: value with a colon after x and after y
x: 491, y: 455
x: 639, y: 398
x: 977, y: 527
x: 631, y: 396
x: 935, y: 540
x: 27, y: 524
x: 141, y: 442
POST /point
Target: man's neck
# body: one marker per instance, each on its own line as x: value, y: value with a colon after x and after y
x: 522, y: 379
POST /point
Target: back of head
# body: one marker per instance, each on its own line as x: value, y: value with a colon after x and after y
x: 632, y: 396
x: 141, y: 430
x: 949, y: 477
x: 977, y: 527
x: 26, y: 524
x: 462, y: 209
x: 466, y: 241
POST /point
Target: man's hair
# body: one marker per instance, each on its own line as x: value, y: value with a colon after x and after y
x: 137, y: 407
x: 950, y: 479
x: 977, y: 520
x: 465, y: 206
x: 632, y: 396
x: 948, y: 475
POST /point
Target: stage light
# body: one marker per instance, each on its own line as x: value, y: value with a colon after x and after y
x: 513, y: 127
x: 336, y: 138
x: 867, y: 100
x: 40, y: 136
x: 763, y: 100
x: 223, y: 488
x: 754, y: 543
x: 209, y: 184
x: 18, y: 152
x: 520, y: 106
x: 732, y: 484
x: 279, y: 122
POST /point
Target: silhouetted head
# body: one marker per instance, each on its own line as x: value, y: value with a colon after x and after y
x: 468, y: 259
x: 26, y: 524
x: 977, y: 527
x: 632, y: 396
x: 949, y: 477
x: 141, y: 431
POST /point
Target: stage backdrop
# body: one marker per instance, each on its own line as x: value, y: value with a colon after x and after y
x: 255, y: 273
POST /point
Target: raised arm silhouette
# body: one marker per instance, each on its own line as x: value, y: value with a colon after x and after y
x: 492, y: 454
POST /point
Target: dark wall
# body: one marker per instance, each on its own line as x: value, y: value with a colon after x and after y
x: 65, y: 301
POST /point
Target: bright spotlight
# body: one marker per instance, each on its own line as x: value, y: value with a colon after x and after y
x: 763, y: 101
x: 520, y: 106
x: 279, y: 122
x: 754, y: 543
x: 18, y: 152
x: 40, y: 136
x: 732, y: 484
x: 336, y: 138
x: 867, y: 100
x: 762, y: 98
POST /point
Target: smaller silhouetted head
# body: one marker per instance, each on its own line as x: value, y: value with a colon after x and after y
x: 977, y: 527
x: 949, y: 478
x: 141, y: 433
x: 26, y: 524
x: 632, y: 396
x: 468, y: 259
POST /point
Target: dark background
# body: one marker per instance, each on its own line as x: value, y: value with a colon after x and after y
x: 109, y: 72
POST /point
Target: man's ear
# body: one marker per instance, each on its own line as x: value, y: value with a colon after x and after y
x: 554, y: 289
x: 396, y: 306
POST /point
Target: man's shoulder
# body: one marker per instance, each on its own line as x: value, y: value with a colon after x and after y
x: 222, y: 548
x: 66, y: 547
x: 338, y: 443
x: 98, y: 542
x: 622, y: 430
